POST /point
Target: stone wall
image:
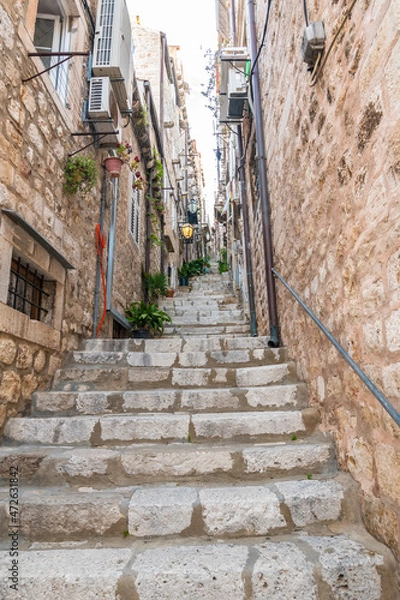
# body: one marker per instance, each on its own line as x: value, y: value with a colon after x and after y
x: 333, y: 156
x: 35, y: 140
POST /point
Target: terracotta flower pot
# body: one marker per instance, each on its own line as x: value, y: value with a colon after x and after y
x: 113, y: 166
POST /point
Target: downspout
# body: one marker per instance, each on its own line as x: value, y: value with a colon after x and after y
x: 246, y: 231
x: 274, y: 339
x: 148, y: 196
x: 111, y: 241
x: 98, y: 274
x: 162, y: 222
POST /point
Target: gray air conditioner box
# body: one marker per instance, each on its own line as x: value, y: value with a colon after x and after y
x: 313, y: 42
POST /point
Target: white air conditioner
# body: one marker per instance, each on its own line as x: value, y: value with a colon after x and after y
x: 237, y: 93
x: 103, y: 111
x: 112, y: 54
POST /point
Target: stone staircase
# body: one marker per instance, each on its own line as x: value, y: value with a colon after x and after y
x: 186, y: 466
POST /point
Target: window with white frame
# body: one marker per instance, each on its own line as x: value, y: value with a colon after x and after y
x: 53, y: 34
x: 134, y: 220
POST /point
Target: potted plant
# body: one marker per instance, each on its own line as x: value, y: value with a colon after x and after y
x: 156, y: 285
x: 80, y: 174
x: 146, y: 319
x: 184, y: 274
x: 170, y: 293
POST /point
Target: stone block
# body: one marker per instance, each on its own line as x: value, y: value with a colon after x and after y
x: 348, y: 569
x: 86, y: 462
x: 282, y: 572
x: 251, y: 424
x: 178, y: 460
x: 312, y: 501
x: 10, y: 387
x: 209, y: 572
x: 387, y: 460
x: 155, y: 359
x: 144, y: 427
x: 217, y: 399
x: 50, y: 431
x: 8, y: 351
x: 265, y: 375
x: 269, y: 458
x: 152, y: 400
x: 192, y: 359
x: 249, y: 510
x: 161, y: 511
x: 276, y: 396
x: 191, y: 377
x: 81, y: 574
x: 49, y: 515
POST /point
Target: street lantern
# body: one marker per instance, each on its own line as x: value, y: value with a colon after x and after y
x: 193, y: 206
x: 187, y: 231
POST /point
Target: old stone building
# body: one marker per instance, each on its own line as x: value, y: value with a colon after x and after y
x: 331, y: 154
x: 70, y: 261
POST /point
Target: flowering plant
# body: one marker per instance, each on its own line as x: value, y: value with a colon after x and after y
x: 124, y: 152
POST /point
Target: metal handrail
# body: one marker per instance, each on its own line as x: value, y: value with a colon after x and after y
x: 364, y: 378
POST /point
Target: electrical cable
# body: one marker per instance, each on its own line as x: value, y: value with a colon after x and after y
x: 305, y: 12
x: 319, y: 71
x: 263, y: 38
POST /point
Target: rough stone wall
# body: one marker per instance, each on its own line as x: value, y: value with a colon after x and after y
x: 333, y: 155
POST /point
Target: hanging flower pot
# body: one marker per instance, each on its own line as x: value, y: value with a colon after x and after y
x: 113, y: 166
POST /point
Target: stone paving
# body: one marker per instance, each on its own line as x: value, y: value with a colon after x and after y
x: 186, y: 466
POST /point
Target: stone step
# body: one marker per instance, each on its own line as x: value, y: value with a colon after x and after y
x: 258, y: 356
x: 110, y: 377
x: 206, y: 330
x: 276, y: 397
x: 183, y: 344
x: 293, y: 567
x: 218, y: 319
x: 150, y: 427
x: 155, y: 463
x: 63, y: 513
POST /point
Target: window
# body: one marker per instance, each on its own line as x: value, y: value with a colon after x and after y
x: 52, y: 34
x: 29, y: 292
x: 134, y: 221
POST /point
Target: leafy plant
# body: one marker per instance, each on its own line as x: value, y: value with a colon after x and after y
x: 156, y: 285
x: 223, y: 266
x: 148, y: 316
x: 80, y: 174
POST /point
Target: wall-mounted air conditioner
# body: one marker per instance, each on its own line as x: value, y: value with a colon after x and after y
x: 112, y: 54
x: 103, y: 111
x: 237, y: 93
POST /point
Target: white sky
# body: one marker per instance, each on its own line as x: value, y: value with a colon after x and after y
x: 190, y: 25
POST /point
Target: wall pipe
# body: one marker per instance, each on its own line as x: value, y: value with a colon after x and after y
x: 246, y: 231
x: 98, y: 274
x: 111, y: 241
x: 274, y: 337
x: 162, y: 86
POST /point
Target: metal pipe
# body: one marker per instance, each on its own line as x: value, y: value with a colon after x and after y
x: 246, y: 231
x: 364, y: 378
x: 111, y: 242
x: 98, y: 274
x: 274, y: 337
x: 162, y: 85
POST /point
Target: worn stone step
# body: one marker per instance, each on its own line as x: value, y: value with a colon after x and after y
x: 183, y: 344
x: 304, y: 567
x: 207, y: 330
x: 234, y: 511
x: 275, y: 397
x: 112, y: 377
x: 123, y: 429
x: 60, y: 513
x: 151, y: 463
x: 249, y: 357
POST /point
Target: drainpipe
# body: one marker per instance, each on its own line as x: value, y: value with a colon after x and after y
x: 98, y: 274
x: 111, y: 241
x: 148, y: 195
x: 162, y: 66
x: 274, y: 340
x: 246, y: 231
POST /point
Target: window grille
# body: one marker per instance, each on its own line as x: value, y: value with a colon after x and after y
x: 26, y: 290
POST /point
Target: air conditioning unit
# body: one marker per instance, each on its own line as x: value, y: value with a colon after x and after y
x: 103, y: 111
x: 112, y: 54
x: 237, y: 94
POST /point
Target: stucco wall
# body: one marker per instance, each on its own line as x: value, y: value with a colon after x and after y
x: 333, y: 156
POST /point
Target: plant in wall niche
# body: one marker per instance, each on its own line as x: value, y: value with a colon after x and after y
x: 223, y: 261
x: 146, y: 319
x: 80, y: 174
x: 156, y: 285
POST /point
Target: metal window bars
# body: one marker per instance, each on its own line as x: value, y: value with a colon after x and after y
x: 26, y: 290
